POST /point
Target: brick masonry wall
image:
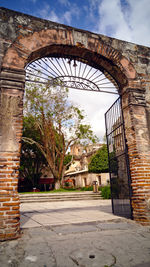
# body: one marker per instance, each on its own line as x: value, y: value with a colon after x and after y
x: 9, y: 199
x: 137, y: 135
x: 11, y: 107
x: 25, y: 38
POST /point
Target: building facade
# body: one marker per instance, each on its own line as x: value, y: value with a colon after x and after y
x: 78, y: 174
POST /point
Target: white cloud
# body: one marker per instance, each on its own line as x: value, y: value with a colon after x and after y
x: 112, y: 20
x: 73, y: 11
x: 66, y: 17
x: 64, y: 2
x: 47, y: 13
x: 128, y: 20
x: 95, y: 105
x: 52, y: 16
x: 139, y: 20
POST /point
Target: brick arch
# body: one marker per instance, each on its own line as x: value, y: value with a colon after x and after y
x: 24, y: 39
x: 85, y: 55
x: 63, y: 42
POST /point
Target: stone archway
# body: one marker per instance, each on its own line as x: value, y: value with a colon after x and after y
x: 25, y: 38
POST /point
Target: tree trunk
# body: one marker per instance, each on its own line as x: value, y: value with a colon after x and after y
x: 57, y: 184
x: 62, y: 179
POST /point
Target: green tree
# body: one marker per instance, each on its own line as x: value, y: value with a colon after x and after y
x: 99, y: 162
x: 32, y: 160
x: 67, y: 160
x: 59, y: 124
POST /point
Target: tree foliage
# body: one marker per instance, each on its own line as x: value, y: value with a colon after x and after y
x: 58, y: 123
x: 32, y: 160
x: 99, y: 162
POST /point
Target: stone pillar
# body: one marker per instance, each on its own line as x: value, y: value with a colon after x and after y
x: 11, y: 107
x: 136, y: 128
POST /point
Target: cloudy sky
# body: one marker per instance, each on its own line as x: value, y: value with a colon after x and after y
x: 127, y: 20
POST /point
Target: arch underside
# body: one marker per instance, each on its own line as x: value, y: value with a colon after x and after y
x: 111, y: 71
x: 71, y: 73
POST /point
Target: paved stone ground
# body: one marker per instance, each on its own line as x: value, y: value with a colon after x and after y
x: 83, y: 234
x: 65, y: 212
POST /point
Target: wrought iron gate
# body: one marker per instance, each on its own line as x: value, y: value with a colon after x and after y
x: 118, y: 161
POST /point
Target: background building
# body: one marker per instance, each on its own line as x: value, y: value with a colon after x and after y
x: 77, y: 175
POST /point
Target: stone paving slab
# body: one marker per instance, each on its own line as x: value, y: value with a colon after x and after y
x: 57, y: 213
x: 120, y: 244
x: 84, y: 234
x: 94, y: 226
x: 25, y: 222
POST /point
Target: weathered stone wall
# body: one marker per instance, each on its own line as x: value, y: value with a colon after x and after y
x: 25, y: 38
x: 80, y: 177
x: 11, y: 107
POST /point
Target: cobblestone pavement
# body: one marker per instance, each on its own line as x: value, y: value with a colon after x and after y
x: 76, y: 240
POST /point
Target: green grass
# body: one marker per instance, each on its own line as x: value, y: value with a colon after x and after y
x: 105, y: 191
x: 87, y: 188
x: 61, y: 190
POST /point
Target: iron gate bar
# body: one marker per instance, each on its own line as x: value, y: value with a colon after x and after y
x: 78, y: 88
x: 65, y: 66
x: 60, y: 66
x: 49, y: 66
x: 75, y: 65
x: 79, y: 70
x: 30, y: 73
x: 93, y: 74
x: 54, y: 66
x: 84, y: 70
x: 120, y: 180
x: 128, y: 163
x: 88, y: 72
x: 45, y: 69
x: 70, y: 69
x: 37, y: 71
x: 65, y: 69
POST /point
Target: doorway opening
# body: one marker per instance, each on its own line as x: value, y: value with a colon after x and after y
x: 77, y: 73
